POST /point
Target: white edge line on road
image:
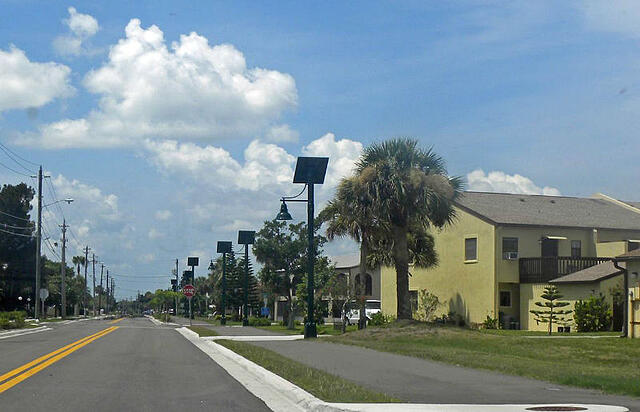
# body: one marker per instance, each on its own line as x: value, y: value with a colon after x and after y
x: 27, y: 332
x: 282, y: 395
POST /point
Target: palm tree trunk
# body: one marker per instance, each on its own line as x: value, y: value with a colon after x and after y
x: 401, y: 261
x: 364, y: 250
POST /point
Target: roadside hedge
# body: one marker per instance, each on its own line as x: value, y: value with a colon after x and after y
x: 12, y: 320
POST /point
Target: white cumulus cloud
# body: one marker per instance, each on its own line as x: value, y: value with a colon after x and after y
x: 25, y: 84
x: 501, y: 182
x: 342, y: 155
x: 188, y: 90
x: 81, y: 28
x: 282, y: 133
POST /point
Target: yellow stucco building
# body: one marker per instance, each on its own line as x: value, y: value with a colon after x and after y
x: 504, y: 248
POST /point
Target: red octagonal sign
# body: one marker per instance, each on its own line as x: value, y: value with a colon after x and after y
x: 189, y: 291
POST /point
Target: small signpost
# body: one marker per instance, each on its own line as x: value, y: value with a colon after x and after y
x: 44, y: 294
x: 189, y: 291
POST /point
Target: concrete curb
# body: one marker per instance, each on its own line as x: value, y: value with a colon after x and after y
x: 281, y: 395
x: 277, y: 393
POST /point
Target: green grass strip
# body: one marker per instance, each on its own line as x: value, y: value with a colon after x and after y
x: 328, y: 387
x: 202, y: 331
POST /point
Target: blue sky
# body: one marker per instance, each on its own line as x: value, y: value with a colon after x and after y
x: 171, y: 143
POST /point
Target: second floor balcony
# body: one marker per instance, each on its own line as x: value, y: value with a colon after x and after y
x: 544, y: 269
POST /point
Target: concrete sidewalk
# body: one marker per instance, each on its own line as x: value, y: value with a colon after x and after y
x: 421, y: 381
x: 227, y: 330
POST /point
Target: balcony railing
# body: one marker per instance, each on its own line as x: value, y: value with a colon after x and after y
x: 544, y: 269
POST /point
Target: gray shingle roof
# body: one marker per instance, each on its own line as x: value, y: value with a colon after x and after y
x: 634, y: 254
x: 634, y: 204
x: 593, y: 274
x: 539, y: 210
x: 345, y: 261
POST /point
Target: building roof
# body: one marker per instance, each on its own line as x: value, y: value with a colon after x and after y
x: 540, y: 210
x: 633, y: 255
x: 634, y: 204
x: 595, y: 273
x: 345, y: 261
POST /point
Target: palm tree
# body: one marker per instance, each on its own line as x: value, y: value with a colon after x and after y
x: 411, y: 192
x: 350, y: 214
x: 78, y: 261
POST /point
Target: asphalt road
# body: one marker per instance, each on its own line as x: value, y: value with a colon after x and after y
x: 138, y: 366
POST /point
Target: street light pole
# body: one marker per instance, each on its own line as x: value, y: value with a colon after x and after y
x: 63, y: 270
x: 246, y: 238
x: 224, y: 247
x: 38, y: 244
x: 310, y: 171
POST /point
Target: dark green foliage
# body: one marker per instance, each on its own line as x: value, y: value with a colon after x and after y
x: 12, y: 320
x: 490, y: 323
x: 253, y: 321
x: 17, y: 253
x: 380, y: 319
x: 551, y: 312
x: 592, y: 315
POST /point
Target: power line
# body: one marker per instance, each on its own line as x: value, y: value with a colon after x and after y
x: 18, y: 156
x: 16, y: 227
x: 15, y: 217
x: 16, y: 234
x: 7, y: 152
x: 13, y: 170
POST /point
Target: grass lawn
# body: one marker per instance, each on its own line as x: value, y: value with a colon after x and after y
x: 217, y: 322
x: 299, y: 330
x: 202, y: 331
x: 325, y: 386
x: 609, y: 364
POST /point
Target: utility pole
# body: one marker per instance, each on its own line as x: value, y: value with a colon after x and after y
x: 94, y: 283
x: 176, y: 297
x: 100, y: 293
x: 63, y: 271
x: 38, y: 244
x: 84, y: 291
x: 107, y: 304
x: 113, y: 294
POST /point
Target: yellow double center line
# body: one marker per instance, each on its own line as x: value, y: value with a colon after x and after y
x: 48, y: 359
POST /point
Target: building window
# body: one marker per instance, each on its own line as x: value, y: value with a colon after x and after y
x: 471, y: 249
x: 632, y: 246
x: 368, y: 285
x: 576, y: 248
x: 505, y: 298
x: 413, y: 299
x: 509, y: 248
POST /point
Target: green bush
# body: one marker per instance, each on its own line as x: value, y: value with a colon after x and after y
x: 428, y: 304
x: 380, y: 319
x: 253, y: 321
x: 592, y: 315
x: 490, y: 323
x: 12, y: 320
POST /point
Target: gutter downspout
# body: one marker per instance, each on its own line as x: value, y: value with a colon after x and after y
x: 625, y: 326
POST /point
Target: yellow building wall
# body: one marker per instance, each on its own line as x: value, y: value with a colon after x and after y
x: 633, y: 267
x: 605, y: 235
x: 572, y: 292
x: 611, y: 249
x: 467, y: 288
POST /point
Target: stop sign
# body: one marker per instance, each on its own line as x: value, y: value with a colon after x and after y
x: 189, y: 291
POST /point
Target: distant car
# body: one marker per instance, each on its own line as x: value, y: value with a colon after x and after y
x: 371, y: 307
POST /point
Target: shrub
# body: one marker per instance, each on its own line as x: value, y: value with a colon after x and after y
x: 12, y: 320
x: 592, y: 315
x: 253, y: 321
x: 380, y: 319
x: 428, y: 303
x: 490, y: 323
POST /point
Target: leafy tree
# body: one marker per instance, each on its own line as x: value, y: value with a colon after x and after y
x: 350, y: 213
x: 592, y: 315
x: 17, y: 251
x: 281, y: 248
x: 324, y: 278
x: 551, y: 297
x: 410, y: 192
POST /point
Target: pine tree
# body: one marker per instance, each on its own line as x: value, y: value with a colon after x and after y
x: 551, y: 295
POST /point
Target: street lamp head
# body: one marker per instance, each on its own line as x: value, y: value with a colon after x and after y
x: 284, y: 213
x: 68, y: 200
